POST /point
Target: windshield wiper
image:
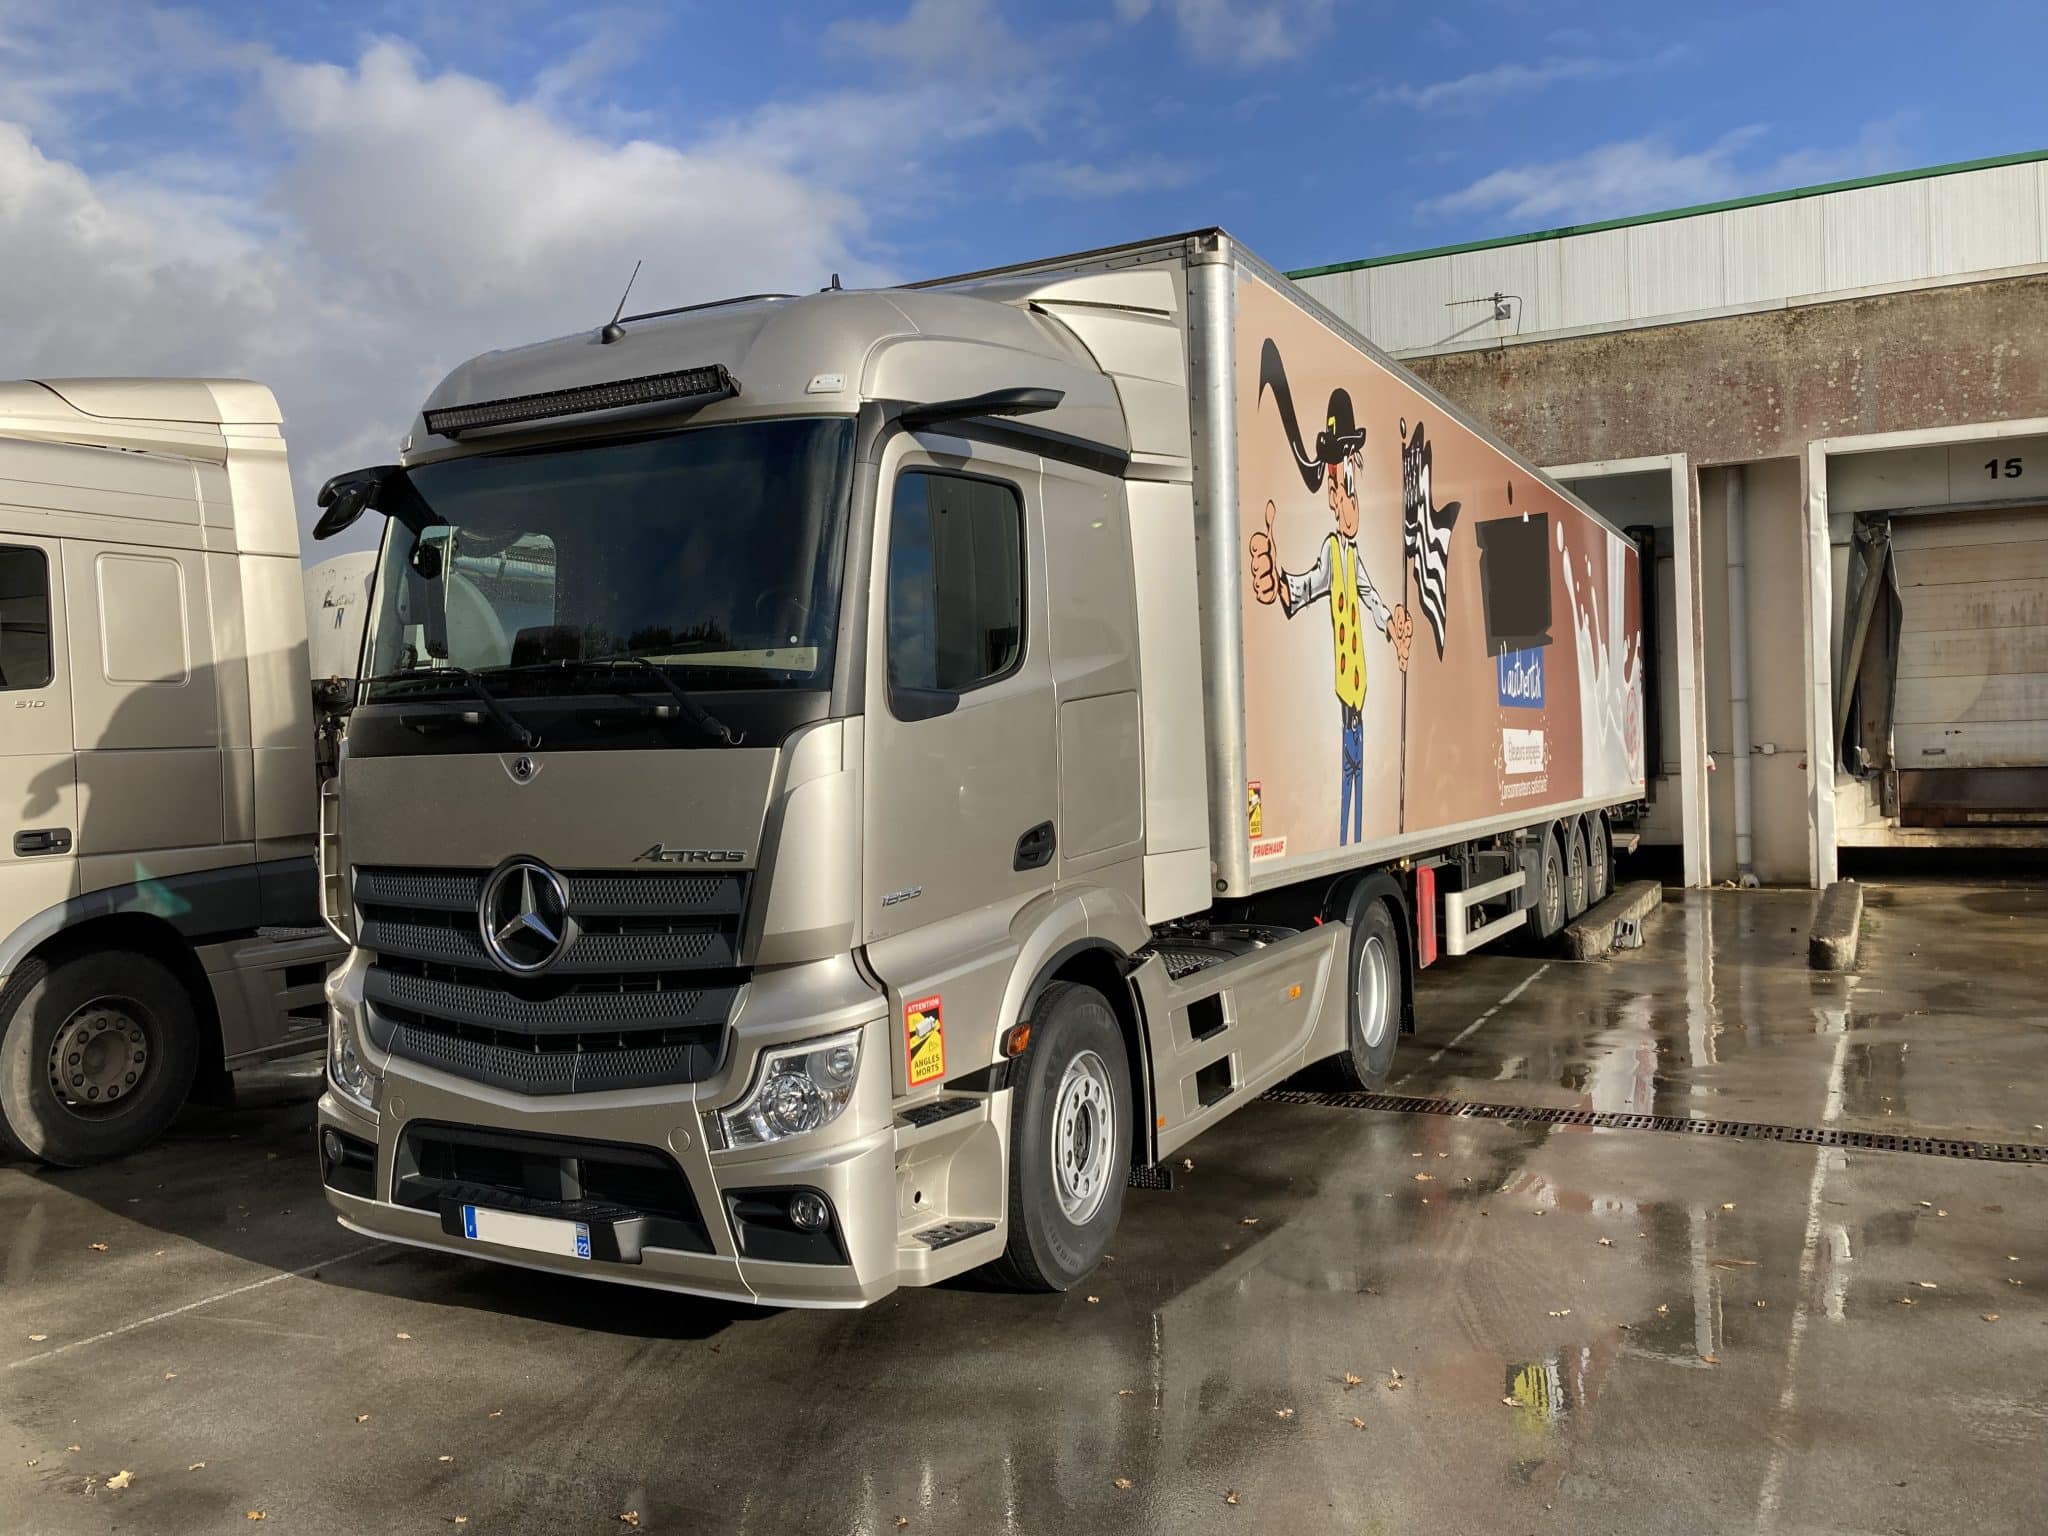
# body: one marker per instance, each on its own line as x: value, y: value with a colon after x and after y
x: 694, y: 712
x: 527, y: 737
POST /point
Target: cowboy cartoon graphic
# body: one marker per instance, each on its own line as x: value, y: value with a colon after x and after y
x: 1336, y: 467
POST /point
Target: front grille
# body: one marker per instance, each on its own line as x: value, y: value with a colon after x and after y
x: 641, y: 997
x: 638, y: 1192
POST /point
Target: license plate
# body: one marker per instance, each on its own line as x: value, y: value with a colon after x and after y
x: 536, y: 1234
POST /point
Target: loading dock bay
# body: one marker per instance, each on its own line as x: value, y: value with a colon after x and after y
x: 1552, y: 1325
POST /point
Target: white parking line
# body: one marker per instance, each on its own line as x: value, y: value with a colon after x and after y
x: 1466, y: 1033
x: 194, y: 1306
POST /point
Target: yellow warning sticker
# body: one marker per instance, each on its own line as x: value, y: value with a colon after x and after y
x: 924, y: 1040
x: 1255, y: 808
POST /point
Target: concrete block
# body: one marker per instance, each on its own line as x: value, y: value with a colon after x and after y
x: 1591, y: 935
x: 1837, y: 923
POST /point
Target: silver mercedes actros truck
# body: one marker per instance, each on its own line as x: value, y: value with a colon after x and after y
x: 839, y: 782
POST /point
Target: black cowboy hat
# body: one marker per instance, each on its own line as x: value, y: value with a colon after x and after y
x: 1342, y: 435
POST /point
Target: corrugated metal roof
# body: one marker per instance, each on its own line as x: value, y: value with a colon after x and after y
x: 1761, y: 199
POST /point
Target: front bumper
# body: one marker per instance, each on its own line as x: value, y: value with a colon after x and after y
x: 851, y: 1163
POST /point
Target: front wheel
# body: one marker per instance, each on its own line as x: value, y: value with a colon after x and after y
x: 97, y: 1055
x: 1070, y: 1142
x: 1373, y: 1028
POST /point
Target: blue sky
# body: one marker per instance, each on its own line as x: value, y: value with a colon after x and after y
x: 346, y: 199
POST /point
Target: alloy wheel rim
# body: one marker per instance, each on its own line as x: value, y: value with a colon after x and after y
x: 1083, y: 1136
x: 99, y: 1057
x: 1372, y: 991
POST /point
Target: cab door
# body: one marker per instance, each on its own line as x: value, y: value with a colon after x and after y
x: 38, y: 782
x: 961, y: 778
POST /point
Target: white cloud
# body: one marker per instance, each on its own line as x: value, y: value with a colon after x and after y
x: 936, y: 35
x: 346, y: 234
x: 1243, y: 32
x: 1649, y: 174
x: 1081, y: 178
x: 1513, y: 82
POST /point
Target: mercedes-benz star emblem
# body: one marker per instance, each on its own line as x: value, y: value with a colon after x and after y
x: 522, y: 769
x: 524, y: 916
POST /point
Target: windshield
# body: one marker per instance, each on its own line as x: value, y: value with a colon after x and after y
x: 713, y: 552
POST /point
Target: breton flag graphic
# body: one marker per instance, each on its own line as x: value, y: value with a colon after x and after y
x: 1426, y: 533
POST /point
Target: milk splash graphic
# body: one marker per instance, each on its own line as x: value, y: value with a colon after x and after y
x: 1610, y: 673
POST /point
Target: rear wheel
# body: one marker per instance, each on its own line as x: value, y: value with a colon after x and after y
x: 1546, y: 916
x: 97, y: 1054
x: 1378, y: 983
x: 1599, y: 860
x: 1070, y: 1142
x: 1576, y: 881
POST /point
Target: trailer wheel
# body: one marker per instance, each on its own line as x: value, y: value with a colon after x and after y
x: 1577, y: 883
x: 1378, y: 983
x: 1599, y: 860
x: 1070, y: 1142
x: 1547, y: 915
x: 97, y: 1055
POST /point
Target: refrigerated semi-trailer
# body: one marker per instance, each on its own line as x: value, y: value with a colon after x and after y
x: 840, y: 781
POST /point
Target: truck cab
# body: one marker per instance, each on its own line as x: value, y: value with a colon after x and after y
x: 159, y: 922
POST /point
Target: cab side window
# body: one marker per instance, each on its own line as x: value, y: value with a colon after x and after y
x: 24, y: 618
x: 956, y: 584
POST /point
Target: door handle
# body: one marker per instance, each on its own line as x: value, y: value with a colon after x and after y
x: 42, y: 840
x: 1034, y: 848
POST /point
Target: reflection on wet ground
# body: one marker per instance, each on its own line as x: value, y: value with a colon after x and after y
x: 1347, y: 1320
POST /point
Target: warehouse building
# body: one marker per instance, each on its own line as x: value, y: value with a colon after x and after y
x: 1826, y: 410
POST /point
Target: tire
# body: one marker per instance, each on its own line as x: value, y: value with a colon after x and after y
x: 1378, y: 982
x: 1061, y: 1221
x: 1546, y: 917
x: 1577, y: 884
x: 1599, y: 860
x: 69, y: 1108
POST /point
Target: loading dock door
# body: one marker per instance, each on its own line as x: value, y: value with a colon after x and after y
x: 1973, y: 646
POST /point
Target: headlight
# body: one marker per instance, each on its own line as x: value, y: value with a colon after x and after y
x: 351, y: 1075
x: 797, y: 1088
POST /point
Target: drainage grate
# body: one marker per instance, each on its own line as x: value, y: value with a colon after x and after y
x: 1745, y: 1130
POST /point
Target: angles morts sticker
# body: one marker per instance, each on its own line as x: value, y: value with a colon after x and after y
x: 924, y: 1041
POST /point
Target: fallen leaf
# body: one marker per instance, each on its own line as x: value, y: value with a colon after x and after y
x: 632, y: 1517
x: 2009, y: 1280
x: 1425, y: 1178
x: 1122, y: 1484
x: 170, y: 1375
x: 1188, y: 1163
x: 447, y: 1458
x: 1626, y: 1327
x: 1710, y: 1359
x: 1909, y: 1301
x: 1760, y: 1303
x: 1509, y: 1402
x: 1351, y: 1380
x: 1126, y: 1392
x: 362, y: 1418
x: 197, y: 1466
x: 405, y: 1336
x: 902, y: 1521
x: 1249, y: 1221
x: 37, y: 1338
x: 1606, y: 1242
x: 1727, y: 1205
x: 69, y: 1449
x: 1941, y: 1213
x: 1663, y: 1309
x: 1567, y: 1312
x: 2010, y: 1258
x: 1928, y: 1203
x: 256, y: 1514
x: 1394, y: 1381
x: 1927, y: 1285
x: 1356, y: 1422
x: 1990, y: 1317
x: 1283, y: 1413
x: 97, y: 1247
x: 35, y: 1461
x: 458, y: 1519
x: 495, y: 1413
x: 1092, y: 1300
x: 1230, y: 1495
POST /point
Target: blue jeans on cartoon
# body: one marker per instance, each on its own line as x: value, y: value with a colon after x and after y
x: 1351, y: 801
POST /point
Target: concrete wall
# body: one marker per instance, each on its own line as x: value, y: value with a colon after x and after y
x: 1761, y: 386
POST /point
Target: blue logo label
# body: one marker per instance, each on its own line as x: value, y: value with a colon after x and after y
x: 1520, y: 674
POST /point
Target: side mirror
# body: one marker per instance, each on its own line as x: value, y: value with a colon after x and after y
x: 347, y: 497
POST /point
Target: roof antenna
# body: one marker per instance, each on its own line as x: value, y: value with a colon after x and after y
x: 614, y: 331
x: 833, y: 286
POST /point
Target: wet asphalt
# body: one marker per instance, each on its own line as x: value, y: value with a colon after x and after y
x: 1342, y: 1319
